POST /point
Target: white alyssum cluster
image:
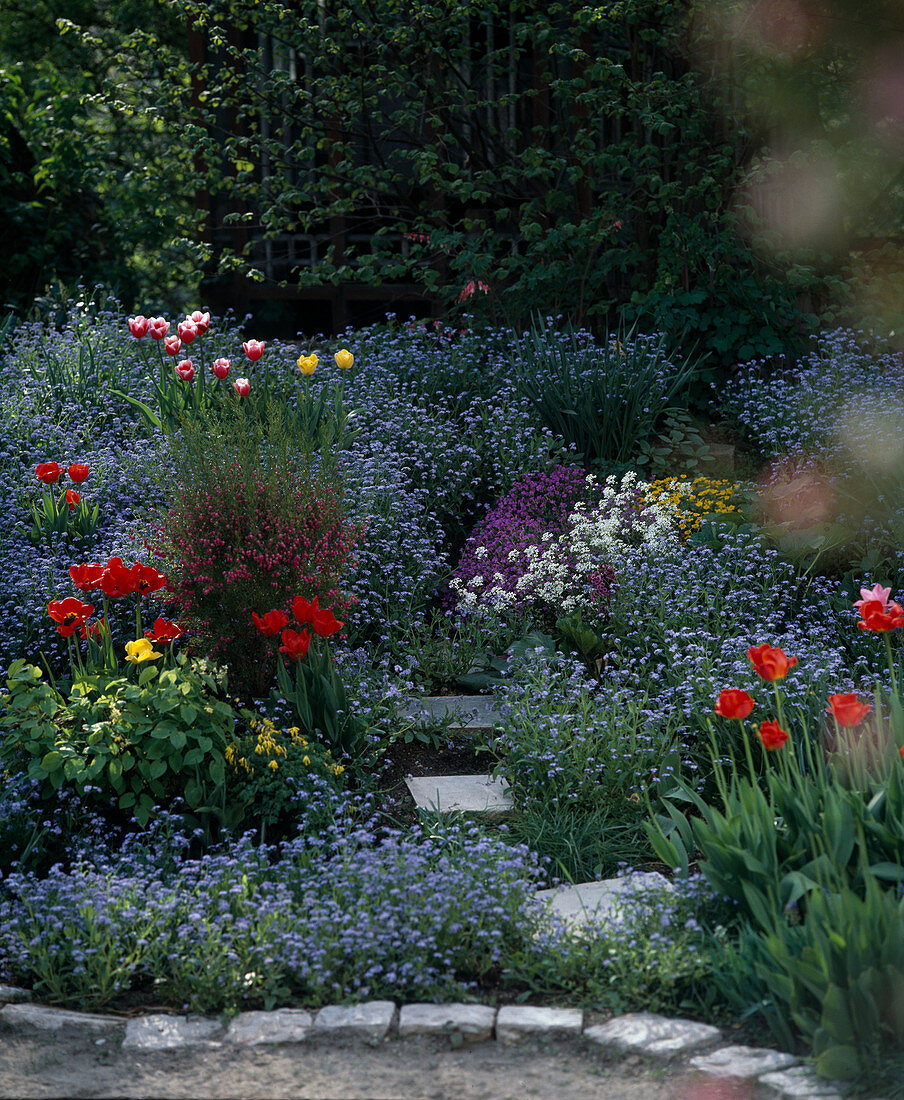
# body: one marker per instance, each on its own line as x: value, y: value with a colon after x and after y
x: 558, y: 568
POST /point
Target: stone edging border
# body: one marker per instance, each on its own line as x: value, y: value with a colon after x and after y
x: 699, y: 1046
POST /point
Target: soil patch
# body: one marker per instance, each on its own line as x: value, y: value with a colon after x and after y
x: 75, y: 1065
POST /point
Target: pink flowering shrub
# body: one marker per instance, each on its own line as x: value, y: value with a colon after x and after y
x: 249, y: 527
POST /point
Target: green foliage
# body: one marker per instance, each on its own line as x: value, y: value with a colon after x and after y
x: 270, y: 770
x: 142, y: 743
x: 603, y: 398
x: 626, y: 963
x: 53, y: 518
x: 581, y: 842
x: 88, y: 192
x: 811, y: 850
x: 532, y: 149
x: 319, y: 699
x: 839, y: 974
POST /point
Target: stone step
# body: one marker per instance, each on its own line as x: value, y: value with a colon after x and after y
x: 479, y: 795
x: 474, y: 713
x: 594, y: 901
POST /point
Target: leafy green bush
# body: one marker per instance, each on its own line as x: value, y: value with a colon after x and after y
x: 271, y: 768
x: 839, y: 975
x: 809, y: 844
x: 604, y: 398
x: 505, y: 158
x: 141, y: 743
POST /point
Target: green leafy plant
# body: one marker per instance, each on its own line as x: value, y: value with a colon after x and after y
x: 270, y: 769
x: 809, y: 844
x: 604, y: 398
x: 320, y: 701
x: 142, y: 743
x: 839, y: 975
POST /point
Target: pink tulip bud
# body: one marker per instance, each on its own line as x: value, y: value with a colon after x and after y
x: 201, y: 321
x: 186, y: 370
x: 138, y: 326
x: 242, y: 387
x: 187, y: 330
x: 173, y: 345
x: 158, y: 327
x: 254, y: 349
x: 220, y: 367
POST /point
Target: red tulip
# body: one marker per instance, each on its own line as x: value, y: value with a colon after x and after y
x: 772, y: 736
x: 78, y: 472
x: 254, y: 349
x: 734, y: 703
x: 48, y: 472
x: 770, y: 663
x: 185, y: 370
x: 164, y: 632
x: 70, y: 614
x: 321, y: 619
x: 295, y: 645
x: 220, y: 367
x: 173, y: 345
x: 187, y: 330
x: 116, y: 580
x: 242, y: 387
x: 72, y: 498
x: 847, y: 710
x: 94, y: 630
x: 138, y: 326
x: 158, y: 327
x: 146, y: 579
x: 879, y: 618
x: 86, y: 577
x: 270, y: 624
x: 201, y: 321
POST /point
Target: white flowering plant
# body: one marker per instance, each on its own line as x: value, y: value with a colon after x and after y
x: 570, y: 575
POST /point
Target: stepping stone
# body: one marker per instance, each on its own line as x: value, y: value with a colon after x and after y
x: 801, y: 1082
x: 472, y: 1023
x: 12, y: 994
x: 744, y: 1062
x: 162, y: 1032
x: 52, y: 1019
x: 370, y: 1020
x: 646, y: 1033
x: 283, y: 1025
x: 475, y: 713
x: 586, y: 901
x: 517, y: 1022
x: 470, y: 794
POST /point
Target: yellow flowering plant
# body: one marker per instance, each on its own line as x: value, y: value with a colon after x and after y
x: 695, y: 500
x: 269, y: 768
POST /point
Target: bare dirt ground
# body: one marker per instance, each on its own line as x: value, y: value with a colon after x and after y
x: 73, y: 1064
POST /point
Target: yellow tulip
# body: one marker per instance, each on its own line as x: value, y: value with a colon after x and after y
x: 307, y: 364
x: 141, y: 650
x: 344, y: 359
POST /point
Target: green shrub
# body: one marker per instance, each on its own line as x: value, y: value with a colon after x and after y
x: 250, y: 524
x: 142, y: 742
x: 604, y: 398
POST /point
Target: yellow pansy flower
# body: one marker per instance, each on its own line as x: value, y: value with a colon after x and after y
x: 307, y: 364
x: 140, y: 650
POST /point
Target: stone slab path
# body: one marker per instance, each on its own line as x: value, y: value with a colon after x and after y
x: 479, y: 795
x: 475, y: 713
x: 377, y: 1050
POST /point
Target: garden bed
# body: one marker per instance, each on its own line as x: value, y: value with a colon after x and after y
x: 205, y: 801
